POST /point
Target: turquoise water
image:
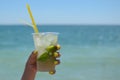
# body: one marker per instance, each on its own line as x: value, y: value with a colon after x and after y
x: 89, y: 52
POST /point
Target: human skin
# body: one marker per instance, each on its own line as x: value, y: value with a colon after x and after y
x: 30, y: 68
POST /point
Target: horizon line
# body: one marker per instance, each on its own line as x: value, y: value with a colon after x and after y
x: 63, y: 24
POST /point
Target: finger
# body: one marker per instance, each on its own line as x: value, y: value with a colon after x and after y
x: 56, y: 54
x: 56, y: 62
x: 52, y: 72
x: 53, y: 48
x: 32, y: 58
x: 58, y: 46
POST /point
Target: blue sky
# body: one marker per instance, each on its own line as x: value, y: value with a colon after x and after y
x: 61, y: 11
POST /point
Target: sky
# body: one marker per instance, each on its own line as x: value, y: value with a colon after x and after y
x: 61, y: 11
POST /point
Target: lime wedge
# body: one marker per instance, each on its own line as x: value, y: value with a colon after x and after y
x: 44, y: 57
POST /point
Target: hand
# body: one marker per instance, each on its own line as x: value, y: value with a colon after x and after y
x: 31, y: 63
x: 49, y: 58
x: 30, y: 68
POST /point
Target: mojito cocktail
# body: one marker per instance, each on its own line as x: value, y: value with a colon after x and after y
x: 46, y: 45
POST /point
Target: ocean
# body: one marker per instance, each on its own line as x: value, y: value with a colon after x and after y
x: 88, y: 52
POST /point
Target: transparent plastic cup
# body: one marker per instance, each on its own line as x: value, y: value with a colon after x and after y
x: 41, y: 42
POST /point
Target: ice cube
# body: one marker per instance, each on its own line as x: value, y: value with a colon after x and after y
x: 51, y: 39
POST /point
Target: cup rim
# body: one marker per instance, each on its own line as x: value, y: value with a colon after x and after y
x: 46, y: 33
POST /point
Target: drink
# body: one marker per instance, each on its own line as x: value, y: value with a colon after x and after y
x: 44, y: 41
x: 46, y: 45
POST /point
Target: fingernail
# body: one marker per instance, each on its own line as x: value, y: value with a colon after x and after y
x: 58, y: 46
x: 52, y: 72
x: 35, y: 52
x: 56, y: 54
x: 56, y: 62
